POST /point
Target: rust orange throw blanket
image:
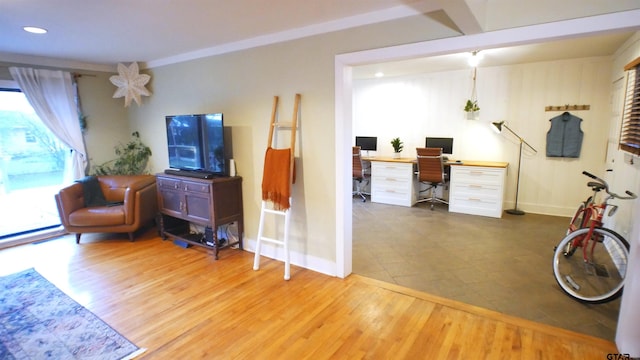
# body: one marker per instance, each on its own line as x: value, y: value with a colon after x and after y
x: 276, y: 183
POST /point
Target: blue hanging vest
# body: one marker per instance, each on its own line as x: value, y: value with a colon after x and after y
x: 564, y: 138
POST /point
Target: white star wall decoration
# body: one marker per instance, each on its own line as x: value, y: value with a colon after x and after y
x: 130, y: 83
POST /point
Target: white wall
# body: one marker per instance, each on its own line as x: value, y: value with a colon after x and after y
x: 626, y: 176
x: 242, y: 85
x: 107, y: 118
x: 413, y: 107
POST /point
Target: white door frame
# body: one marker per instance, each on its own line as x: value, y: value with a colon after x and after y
x: 621, y: 21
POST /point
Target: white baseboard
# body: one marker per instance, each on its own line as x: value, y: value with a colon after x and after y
x: 543, y: 209
x: 306, y: 261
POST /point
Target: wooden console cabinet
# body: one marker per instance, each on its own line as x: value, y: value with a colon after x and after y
x: 206, y: 202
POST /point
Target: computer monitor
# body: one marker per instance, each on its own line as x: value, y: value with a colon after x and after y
x: 440, y: 142
x: 367, y: 143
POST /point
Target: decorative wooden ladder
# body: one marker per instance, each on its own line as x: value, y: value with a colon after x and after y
x: 274, y: 127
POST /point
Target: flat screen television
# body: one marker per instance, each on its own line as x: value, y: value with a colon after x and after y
x: 367, y: 143
x: 196, y: 143
x: 440, y: 142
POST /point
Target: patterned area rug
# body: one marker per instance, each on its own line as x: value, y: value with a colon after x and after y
x: 38, y: 321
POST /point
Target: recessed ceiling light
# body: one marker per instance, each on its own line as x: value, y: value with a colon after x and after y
x: 35, y: 30
x: 379, y: 74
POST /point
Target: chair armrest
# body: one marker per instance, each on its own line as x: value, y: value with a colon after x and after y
x: 146, y: 204
x: 139, y: 182
x: 140, y: 189
x: 68, y: 200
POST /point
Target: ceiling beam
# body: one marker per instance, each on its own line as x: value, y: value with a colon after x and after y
x: 463, y: 16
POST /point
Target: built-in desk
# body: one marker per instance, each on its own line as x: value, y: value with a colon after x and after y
x: 393, y: 180
x: 476, y: 187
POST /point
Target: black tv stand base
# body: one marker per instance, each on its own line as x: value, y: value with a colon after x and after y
x: 193, y: 174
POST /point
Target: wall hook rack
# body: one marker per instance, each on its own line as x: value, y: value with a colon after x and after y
x: 567, y: 108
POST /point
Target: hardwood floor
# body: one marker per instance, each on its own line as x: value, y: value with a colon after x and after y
x: 182, y: 304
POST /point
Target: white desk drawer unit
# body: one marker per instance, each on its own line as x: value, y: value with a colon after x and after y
x: 477, y: 190
x: 392, y: 183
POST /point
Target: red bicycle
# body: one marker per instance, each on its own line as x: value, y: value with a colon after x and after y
x: 598, y: 275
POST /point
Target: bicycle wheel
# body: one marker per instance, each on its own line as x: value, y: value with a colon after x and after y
x: 597, y: 275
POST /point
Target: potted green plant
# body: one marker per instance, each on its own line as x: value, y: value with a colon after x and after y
x: 397, y: 146
x: 471, y: 106
x: 472, y: 109
x: 132, y: 159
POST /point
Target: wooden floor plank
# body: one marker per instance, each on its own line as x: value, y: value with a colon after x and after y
x: 180, y: 303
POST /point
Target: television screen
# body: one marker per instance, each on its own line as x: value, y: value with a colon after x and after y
x: 214, y: 143
x: 440, y: 142
x: 184, y: 142
x: 368, y: 143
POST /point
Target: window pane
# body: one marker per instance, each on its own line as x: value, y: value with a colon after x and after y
x: 32, y: 165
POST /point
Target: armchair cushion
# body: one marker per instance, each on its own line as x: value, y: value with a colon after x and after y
x: 98, y: 216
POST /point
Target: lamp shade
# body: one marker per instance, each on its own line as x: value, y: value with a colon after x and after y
x: 497, y: 126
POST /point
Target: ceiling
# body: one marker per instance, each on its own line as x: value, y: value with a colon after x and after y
x: 99, y: 34
x: 601, y: 45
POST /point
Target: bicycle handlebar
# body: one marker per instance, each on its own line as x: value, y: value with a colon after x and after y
x: 606, y: 188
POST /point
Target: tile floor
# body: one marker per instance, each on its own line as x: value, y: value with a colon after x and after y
x: 500, y: 264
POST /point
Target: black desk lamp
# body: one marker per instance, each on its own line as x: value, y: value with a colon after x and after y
x: 498, y: 127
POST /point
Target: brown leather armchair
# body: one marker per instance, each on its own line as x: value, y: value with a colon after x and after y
x: 132, y: 204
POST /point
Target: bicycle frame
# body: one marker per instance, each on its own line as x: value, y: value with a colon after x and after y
x: 591, y: 200
x: 592, y: 216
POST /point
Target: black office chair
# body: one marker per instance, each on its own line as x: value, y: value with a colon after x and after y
x: 431, y: 172
x: 361, y: 175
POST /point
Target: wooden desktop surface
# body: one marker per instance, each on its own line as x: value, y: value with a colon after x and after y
x: 453, y: 162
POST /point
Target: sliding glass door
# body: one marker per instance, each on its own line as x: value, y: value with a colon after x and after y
x: 32, y: 165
